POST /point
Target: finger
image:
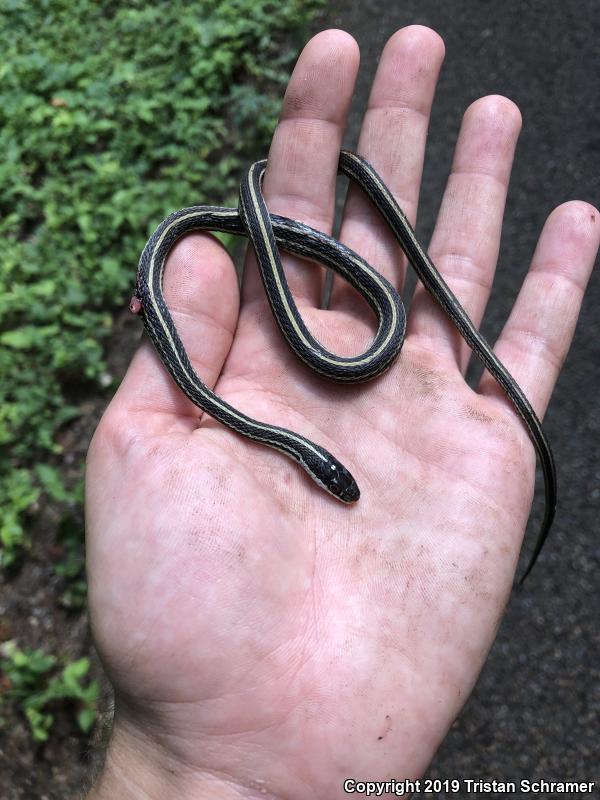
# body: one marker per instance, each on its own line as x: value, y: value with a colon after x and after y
x: 392, y: 138
x: 302, y: 165
x: 200, y: 288
x: 466, y: 238
x: 538, y: 333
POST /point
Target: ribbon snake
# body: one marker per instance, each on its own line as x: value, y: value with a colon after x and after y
x: 267, y: 233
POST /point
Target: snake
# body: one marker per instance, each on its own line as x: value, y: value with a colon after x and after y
x: 268, y: 233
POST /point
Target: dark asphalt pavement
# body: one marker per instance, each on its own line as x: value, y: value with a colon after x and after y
x: 535, y: 712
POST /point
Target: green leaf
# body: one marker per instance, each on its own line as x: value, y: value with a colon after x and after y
x: 52, y: 482
x: 73, y: 673
x: 40, y: 723
x: 86, y: 719
x: 91, y: 692
x: 21, y: 338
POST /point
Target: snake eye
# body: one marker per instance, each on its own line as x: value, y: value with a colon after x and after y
x: 341, y: 483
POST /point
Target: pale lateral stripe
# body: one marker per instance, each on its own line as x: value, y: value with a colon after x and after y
x: 460, y: 318
x: 290, y: 315
x: 228, y: 410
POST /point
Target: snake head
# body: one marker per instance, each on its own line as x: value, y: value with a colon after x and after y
x: 338, y: 481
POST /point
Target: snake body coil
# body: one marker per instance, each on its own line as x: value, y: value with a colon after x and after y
x: 268, y: 232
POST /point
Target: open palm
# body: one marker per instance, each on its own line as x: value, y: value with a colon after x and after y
x: 264, y: 639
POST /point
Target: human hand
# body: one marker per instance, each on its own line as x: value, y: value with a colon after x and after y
x: 263, y: 639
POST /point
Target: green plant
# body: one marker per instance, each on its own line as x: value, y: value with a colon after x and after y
x: 29, y: 681
x: 17, y: 495
x: 72, y: 566
x: 111, y: 115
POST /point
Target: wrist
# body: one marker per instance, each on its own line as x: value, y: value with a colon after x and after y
x: 136, y: 769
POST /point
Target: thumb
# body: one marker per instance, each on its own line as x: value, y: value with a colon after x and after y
x: 201, y: 290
